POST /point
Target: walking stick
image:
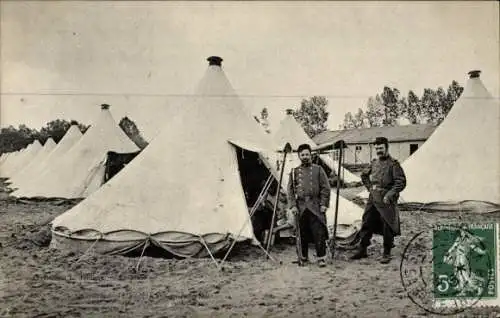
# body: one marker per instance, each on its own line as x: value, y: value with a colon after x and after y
x: 340, y: 145
x: 298, y: 238
x: 286, y: 150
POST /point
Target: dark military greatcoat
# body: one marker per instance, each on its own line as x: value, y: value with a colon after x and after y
x: 308, y: 188
x: 384, y: 178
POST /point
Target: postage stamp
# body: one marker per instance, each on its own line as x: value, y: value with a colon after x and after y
x: 453, y: 267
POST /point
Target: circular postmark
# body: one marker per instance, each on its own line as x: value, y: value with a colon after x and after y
x: 447, y: 269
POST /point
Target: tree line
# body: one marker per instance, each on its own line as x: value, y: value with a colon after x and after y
x: 384, y: 109
x: 14, y: 139
x: 390, y: 106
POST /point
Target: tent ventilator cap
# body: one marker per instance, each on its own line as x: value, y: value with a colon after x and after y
x: 474, y: 74
x: 215, y: 60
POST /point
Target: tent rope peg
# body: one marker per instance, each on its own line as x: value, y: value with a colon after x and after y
x: 101, y: 235
x: 202, y: 241
x: 146, y: 244
x: 269, y: 255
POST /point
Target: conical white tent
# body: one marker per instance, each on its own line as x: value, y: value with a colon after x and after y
x: 349, y: 214
x: 183, y: 192
x: 20, y: 161
x: 291, y: 131
x: 39, y: 157
x: 460, y: 161
x: 80, y: 171
x: 457, y: 168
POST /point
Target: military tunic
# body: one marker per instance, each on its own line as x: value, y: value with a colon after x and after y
x: 310, y: 191
x: 384, y: 178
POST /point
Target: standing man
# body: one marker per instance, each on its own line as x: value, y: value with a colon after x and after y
x: 308, y: 199
x: 384, y: 179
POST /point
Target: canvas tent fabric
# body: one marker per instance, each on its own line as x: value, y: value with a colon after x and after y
x: 49, y: 162
x: 11, y: 160
x: 38, y: 158
x: 21, y: 160
x: 11, y: 156
x: 457, y: 168
x: 182, y: 195
x: 345, y: 175
x: 290, y: 131
x: 81, y: 170
x: 4, y: 157
x: 349, y: 221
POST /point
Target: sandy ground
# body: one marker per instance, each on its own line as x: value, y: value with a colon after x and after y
x: 36, y: 281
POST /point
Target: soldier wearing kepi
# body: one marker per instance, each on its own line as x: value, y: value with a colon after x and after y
x: 308, y: 199
x: 384, y: 179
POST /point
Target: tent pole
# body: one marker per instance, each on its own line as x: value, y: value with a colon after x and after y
x: 340, y: 143
x: 286, y: 150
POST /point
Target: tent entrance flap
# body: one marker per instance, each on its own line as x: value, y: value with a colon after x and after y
x: 253, y: 175
x: 115, y: 162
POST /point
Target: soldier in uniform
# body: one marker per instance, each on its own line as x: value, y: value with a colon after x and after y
x: 308, y: 199
x: 384, y: 179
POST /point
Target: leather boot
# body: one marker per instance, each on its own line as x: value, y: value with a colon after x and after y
x: 303, y: 262
x: 386, y: 257
x: 322, y: 261
x: 361, y: 253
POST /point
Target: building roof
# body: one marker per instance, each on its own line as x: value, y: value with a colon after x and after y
x: 367, y: 135
x: 326, y: 136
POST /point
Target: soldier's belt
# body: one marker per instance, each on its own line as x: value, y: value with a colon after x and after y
x: 305, y: 198
x: 378, y: 188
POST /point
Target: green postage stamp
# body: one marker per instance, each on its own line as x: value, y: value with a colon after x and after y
x: 465, y: 265
x: 460, y: 271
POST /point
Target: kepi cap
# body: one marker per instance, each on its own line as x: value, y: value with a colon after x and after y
x: 381, y: 141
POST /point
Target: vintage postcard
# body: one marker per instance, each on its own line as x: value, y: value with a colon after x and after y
x: 249, y: 158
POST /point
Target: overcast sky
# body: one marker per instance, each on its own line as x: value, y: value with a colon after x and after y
x: 274, y: 53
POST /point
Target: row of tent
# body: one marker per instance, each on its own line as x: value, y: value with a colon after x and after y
x: 184, y: 193
x: 73, y: 168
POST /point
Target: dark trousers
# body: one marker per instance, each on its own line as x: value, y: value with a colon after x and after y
x: 372, y: 221
x: 261, y: 221
x: 312, y: 231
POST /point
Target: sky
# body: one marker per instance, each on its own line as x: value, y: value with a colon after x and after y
x: 63, y: 59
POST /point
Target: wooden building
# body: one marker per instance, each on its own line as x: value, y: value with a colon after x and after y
x: 403, y: 141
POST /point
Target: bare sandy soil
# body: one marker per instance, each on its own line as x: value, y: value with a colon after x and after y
x: 36, y: 281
